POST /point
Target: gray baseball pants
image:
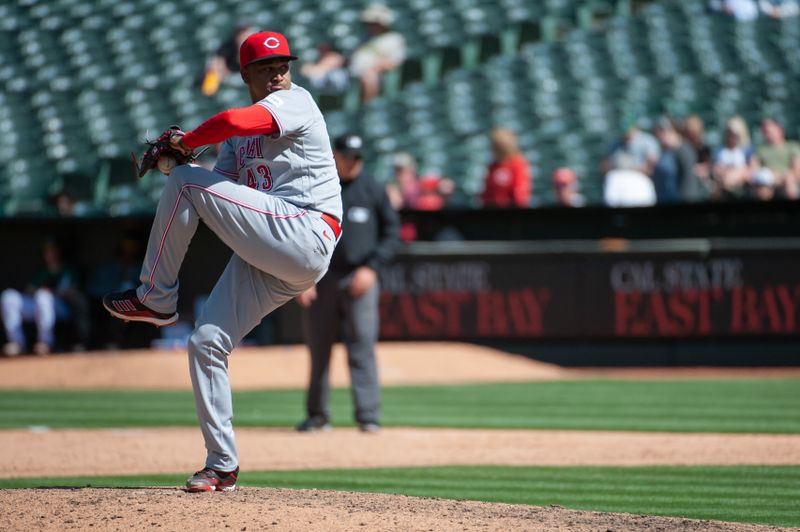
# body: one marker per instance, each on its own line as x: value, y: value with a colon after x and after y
x: 336, y: 314
x: 279, y: 251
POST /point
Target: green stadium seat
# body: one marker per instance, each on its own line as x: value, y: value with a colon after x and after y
x: 78, y: 74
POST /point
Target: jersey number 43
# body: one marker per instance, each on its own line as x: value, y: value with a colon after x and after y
x: 264, y: 176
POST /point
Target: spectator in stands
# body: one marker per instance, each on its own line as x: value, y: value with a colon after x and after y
x: 741, y: 10
x: 694, y: 133
x: 673, y: 175
x: 328, y: 73
x: 508, y: 178
x: 738, y: 124
x: 384, y: 50
x: 779, y: 8
x: 733, y: 162
x: 669, y: 171
x: 565, y: 188
x: 408, y: 190
x: 403, y: 190
x: 225, y: 60
x: 635, y: 150
x: 762, y: 185
x: 782, y: 157
x: 628, y: 188
x: 628, y: 167
x: 432, y: 192
x: 52, y: 295
x: 64, y: 203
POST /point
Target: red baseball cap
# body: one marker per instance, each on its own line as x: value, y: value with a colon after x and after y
x: 262, y: 46
x: 564, y: 176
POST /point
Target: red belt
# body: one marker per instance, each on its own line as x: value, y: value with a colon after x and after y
x: 331, y: 221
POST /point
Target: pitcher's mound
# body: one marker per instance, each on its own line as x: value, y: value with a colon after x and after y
x: 303, y: 510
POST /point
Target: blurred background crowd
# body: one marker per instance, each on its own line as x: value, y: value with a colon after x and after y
x: 462, y: 104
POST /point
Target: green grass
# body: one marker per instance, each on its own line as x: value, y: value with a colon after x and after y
x: 685, y: 406
x: 752, y: 494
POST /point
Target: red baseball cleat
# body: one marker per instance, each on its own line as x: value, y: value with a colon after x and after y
x: 208, y: 479
x: 126, y: 306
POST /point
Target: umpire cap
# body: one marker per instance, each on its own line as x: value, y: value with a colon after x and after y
x: 349, y: 144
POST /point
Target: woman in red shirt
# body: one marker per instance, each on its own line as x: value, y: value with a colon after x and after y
x: 508, y: 179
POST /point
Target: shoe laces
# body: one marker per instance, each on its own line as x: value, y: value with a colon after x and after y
x: 206, y: 472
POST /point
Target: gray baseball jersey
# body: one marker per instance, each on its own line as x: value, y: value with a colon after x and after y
x: 296, y: 164
x: 265, y: 200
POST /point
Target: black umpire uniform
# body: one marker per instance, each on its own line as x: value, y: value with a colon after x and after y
x: 370, y: 238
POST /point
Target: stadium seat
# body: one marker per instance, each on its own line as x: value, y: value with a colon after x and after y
x: 82, y: 86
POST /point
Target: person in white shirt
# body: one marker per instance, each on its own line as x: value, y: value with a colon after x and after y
x: 384, y: 50
x: 628, y: 188
x: 779, y: 8
x: 741, y: 10
x: 732, y: 162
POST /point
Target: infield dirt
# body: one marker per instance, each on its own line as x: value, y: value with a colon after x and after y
x: 306, y: 510
x: 66, y: 453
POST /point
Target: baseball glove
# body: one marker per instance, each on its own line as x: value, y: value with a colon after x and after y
x: 161, y: 147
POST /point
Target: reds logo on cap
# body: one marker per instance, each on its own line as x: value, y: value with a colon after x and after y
x: 272, y: 42
x: 262, y: 46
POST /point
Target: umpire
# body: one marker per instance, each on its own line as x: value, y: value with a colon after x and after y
x: 344, y: 304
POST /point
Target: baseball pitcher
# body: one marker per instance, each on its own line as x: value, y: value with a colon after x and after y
x: 273, y: 198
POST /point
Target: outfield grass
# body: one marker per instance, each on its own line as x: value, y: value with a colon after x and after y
x: 752, y: 494
x: 686, y: 406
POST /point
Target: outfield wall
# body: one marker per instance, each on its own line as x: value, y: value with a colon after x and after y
x: 608, y: 292
x: 691, y: 301
x: 594, y: 289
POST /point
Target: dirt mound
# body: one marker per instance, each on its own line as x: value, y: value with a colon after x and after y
x: 304, y: 510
